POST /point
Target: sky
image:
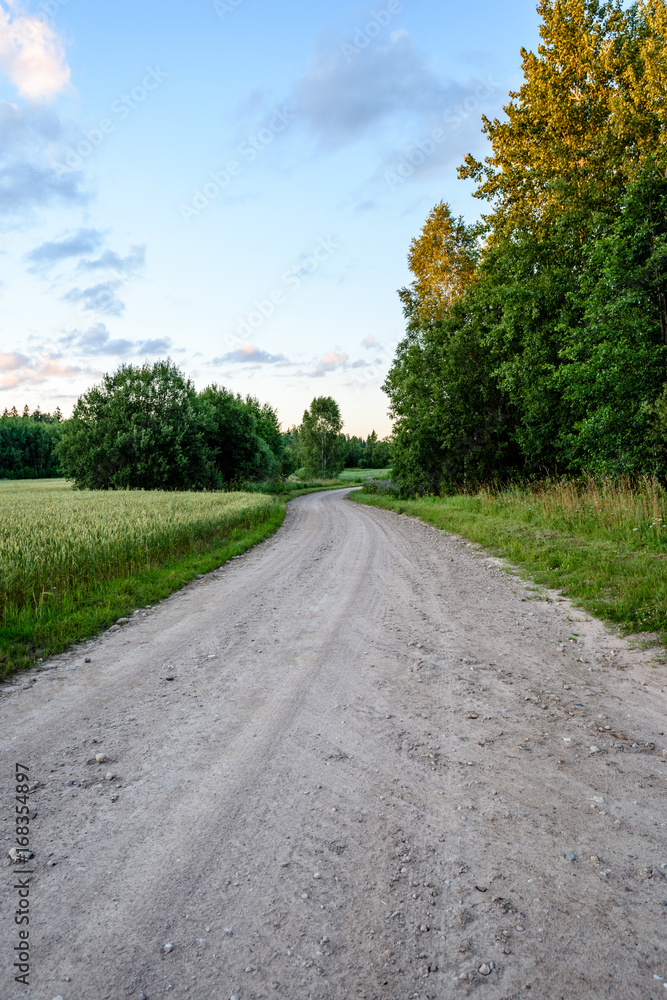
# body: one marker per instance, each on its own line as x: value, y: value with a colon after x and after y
x: 233, y: 184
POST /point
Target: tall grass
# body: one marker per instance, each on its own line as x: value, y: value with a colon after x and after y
x: 59, y: 543
x: 632, y: 511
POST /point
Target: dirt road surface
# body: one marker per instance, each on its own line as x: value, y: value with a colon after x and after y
x: 355, y: 762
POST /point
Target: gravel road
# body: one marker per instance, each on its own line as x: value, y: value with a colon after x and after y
x: 351, y: 763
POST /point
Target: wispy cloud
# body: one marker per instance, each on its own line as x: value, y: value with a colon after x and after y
x: 110, y: 260
x: 97, y: 340
x: 30, y: 141
x: 85, y: 241
x: 100, y: 298
x: 340, y: 101
x: 249, y: 354
x: 34, y: 371
x: 10, y: 361
x: 329, y: 363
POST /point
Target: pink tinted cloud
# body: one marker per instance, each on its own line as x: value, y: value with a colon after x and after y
x: 332, y: 360
x: 22, y: 371
x: 10, y: 361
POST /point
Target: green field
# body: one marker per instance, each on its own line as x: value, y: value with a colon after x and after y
x: 602, y: 544
x: 361, y: 475
x: 72, y: 562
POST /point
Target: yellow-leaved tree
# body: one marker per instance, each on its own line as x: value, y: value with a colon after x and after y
x: 591, y: 107
x: 443, y: 259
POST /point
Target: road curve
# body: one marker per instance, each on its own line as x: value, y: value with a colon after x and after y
x: 363, y: 781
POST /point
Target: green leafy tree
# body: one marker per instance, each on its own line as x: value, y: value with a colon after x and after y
x: 382, y: 453
x: 614, y: 369
x: 321, y: 439
x: 142, y: 427
x: 291, y: 455
x: 550, y: 355
x: 352, y: 451
x: 574, y: 128
x: 243, y: 436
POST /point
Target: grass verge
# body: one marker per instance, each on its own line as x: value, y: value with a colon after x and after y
x: 31, y: 634
x: 615, y: 574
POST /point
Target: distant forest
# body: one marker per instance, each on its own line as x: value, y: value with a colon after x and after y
x: 146, y: 427
x: 28, y: 444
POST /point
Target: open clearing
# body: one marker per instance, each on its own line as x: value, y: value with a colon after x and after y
x: 352, y: 763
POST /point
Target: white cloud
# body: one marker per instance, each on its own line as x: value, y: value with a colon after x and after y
x: 97, y: 340
x: 101, y: 298
x: 48, y: 254
x: 32, y: 56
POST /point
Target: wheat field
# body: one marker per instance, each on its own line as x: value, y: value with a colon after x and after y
x: 56, y: 542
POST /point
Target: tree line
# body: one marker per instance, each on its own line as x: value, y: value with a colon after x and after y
x: 28, y: 444
x: 536, y: 339
x: 147, y: 427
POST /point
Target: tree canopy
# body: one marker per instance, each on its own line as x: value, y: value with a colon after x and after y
x: 550, y: 352
x: 320, y: 438
x: 147, y: 427
x: 142, y: 427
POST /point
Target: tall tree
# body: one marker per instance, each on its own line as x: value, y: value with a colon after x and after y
x: 244, y: 436
x: 573, y: 128
x: 321, y: 439
x: 142, y: 427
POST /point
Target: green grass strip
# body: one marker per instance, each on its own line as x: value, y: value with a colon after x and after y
x: 621, y: 584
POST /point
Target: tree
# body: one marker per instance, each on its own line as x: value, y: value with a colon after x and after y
x: 291, y: 456
x: 614, y: 369
x: 28, y: 448
x: 321, y: 439
x: 142, y: 427
x: 443, y: 260
x: 353, y: 451
x: 243, y: 436
x: 574, y: 128
x: 551, y: 355
x: 382, y: 453
x: 369, y: 451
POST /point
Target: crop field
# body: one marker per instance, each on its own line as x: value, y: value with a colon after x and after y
x: 63, y: 553
x: 361, y: 475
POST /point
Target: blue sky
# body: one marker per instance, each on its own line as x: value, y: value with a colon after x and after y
x: 233, y: 183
